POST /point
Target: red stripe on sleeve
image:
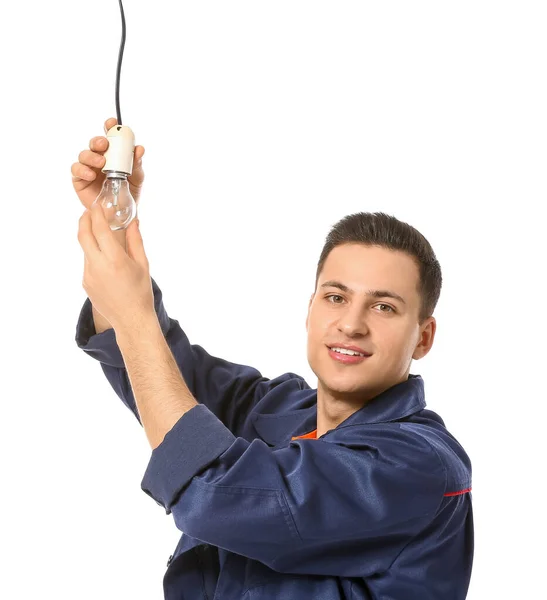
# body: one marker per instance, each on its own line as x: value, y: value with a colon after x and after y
x: 458, y: 493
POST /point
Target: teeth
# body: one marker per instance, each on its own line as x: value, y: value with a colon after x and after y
x: 350, y: 352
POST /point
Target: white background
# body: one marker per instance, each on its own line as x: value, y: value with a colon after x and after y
x: 264, y: 123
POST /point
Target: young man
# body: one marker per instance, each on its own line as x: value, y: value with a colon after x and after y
x: 350, y: 490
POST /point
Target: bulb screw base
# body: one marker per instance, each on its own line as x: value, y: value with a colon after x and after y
x: 115, y: 174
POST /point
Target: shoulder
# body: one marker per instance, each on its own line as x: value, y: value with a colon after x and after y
x: 454, y: 459
x: 391, y: 440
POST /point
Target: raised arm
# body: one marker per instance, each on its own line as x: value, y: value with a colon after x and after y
x: 228, y: 389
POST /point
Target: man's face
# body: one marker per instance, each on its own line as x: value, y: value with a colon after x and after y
x: 385, y: 327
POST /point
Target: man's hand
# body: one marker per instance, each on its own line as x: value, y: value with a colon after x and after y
x: 87, y: 177
x: 116, y: 281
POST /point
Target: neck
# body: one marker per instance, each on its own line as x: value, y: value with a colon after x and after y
x: 331, y: 411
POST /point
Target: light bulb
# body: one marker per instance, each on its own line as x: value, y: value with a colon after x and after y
x: 119, y: 206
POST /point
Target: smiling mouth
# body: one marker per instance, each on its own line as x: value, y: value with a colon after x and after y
x: 347, y: 348
x: 349, y: 359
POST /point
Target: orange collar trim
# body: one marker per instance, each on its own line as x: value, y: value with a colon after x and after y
x: 312, y: 435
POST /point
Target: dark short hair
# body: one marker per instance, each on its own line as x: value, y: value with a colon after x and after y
x: 380, y: 229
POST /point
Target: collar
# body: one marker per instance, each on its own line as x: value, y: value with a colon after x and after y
x: 393, y: 404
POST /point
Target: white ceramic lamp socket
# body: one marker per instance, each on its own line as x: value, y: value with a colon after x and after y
x: 120, y: 151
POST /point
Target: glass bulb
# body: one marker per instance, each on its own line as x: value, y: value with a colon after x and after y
x: 118, y: 204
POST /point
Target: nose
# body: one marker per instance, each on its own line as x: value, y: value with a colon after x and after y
x: 352, y: 323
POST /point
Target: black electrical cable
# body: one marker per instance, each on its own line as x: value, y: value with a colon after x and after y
x: 120, y: 55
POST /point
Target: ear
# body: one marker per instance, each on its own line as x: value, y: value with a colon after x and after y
x: 427, y: 335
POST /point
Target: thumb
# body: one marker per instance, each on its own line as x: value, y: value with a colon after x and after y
x: 135, y: 245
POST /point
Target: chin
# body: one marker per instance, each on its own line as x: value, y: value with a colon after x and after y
x: 340, y: 385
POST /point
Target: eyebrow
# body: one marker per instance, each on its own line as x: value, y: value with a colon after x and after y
x: 373, y: 293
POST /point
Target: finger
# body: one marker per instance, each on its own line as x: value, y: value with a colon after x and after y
x: 135, y: 244
x: 109, y: 123
x: 137, y: 174
x: 91, y: 159
x: 136, y: 178
x: 87, y: 238
x: 139, y: 153
x: 99, y: 144
x: 103, y: 234
x: 80, y: 171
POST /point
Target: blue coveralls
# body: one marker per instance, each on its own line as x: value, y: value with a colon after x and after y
x: 377, y: 508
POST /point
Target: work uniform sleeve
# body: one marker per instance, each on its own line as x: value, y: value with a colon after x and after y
x: 307, y: 508
x: 229, y: 390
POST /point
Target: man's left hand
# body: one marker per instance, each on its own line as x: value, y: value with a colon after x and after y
x: 116, y: 281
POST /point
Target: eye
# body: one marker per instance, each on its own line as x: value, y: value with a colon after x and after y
x: 334, y: 296
x: 391, y: 309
